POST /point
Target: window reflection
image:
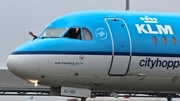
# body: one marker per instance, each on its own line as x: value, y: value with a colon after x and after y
x: 53, y: 32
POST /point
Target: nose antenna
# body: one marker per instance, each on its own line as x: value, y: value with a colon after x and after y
x: 127, y: 5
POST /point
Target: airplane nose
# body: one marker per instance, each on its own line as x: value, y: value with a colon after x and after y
x: 23, y: 65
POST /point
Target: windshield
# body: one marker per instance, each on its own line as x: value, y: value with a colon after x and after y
x: 53, y: 32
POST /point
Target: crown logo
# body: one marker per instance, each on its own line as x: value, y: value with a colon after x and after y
x: 147, y: 19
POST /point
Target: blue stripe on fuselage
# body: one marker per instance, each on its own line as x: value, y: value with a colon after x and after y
x: 61, y: 52
x: 92, y: 53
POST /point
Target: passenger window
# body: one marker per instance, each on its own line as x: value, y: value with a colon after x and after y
x: 174, y: 40
x: 154, y: 39
x: 74, y: 33
x: 86, y: 33
x: 164, y: 40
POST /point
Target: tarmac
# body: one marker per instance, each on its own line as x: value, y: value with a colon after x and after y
x: 118, y: 99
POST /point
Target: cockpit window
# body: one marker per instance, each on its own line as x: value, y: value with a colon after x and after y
x: 74, y: 33
x: 53, y: 32
x: 86, y: 33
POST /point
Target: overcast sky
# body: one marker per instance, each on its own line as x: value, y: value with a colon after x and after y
x: 17, y: 17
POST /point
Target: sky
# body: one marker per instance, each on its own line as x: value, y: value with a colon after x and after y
x: 17, y: 17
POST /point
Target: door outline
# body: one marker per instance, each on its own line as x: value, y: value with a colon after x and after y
x: 112, y: 41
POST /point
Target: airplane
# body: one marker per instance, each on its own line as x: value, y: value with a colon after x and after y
x: 103, y: 51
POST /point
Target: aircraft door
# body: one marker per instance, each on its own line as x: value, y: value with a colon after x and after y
x: 121, y: 46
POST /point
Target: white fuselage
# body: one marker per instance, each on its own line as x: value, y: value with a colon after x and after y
x: 90, y: 71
